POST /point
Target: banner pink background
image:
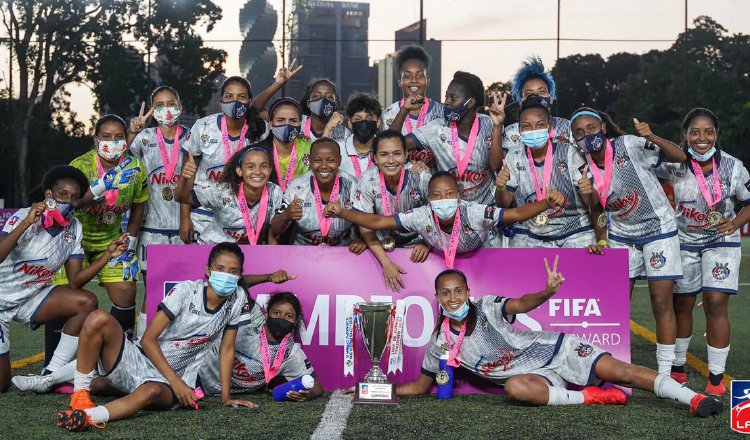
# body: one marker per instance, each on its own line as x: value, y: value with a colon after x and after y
x: 592, y: 304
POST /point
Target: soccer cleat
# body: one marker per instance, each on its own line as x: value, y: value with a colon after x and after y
x: 76, y: 421
x: 716, y: 390
x: 81, y: 399
x: 679, y: 377
x: 704, y: 406
x: 596, y: 395
x: 32, y: 382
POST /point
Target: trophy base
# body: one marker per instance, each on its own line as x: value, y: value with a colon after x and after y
x: 375, y: 393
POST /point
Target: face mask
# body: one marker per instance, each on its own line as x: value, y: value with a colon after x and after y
x: 224, y: 284
x: 60, y: 216
x: 444, y: 208
x: 235, y: 109
x: 535, y: 138
x: 322, y: 107
x: 546, y: 101
x: 458, y: 315
x: 592, y: 142
x: 455, y: 114
x: 279, y: 327
x: 166, y: 115
x: 702, y: 157
x: 111, y: 150
x: 363, y: 131
x: 285, y: 133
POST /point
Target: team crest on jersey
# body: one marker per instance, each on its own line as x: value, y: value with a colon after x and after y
x: 623, y: 161
x: 348, y: 204
x: 193, y: 309
x: 306, y: 160
x: 226, y: 200
x: 489, y: 212
x: 487, y: 140
x: 428, y: 228
x: 414, y: 194
x: 721, y: 271
x: 204, y: 138
x: 389, y: 121
x: 358, y: 195
x: 13, y: 220
x: 657, y: 260
x: 67, y: 236
x: 562, y: 167
x: 515, y: 138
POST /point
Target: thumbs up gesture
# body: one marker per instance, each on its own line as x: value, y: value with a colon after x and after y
x: 293, y: 212
x: 139, y: 122
x: 189, y: 167
x: 643, y: 129
x: 584, y: 184
x: 503, y: 176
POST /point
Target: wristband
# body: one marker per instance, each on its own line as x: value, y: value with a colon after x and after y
x: 500, y: 188
x: 132, y: 241
x: 602, y: 243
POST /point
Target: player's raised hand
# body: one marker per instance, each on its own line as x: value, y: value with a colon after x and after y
x: 286, y: 73
x: 643, y: 129
x: 336, y: 119
x: 35, y: 212
x: 280, y: 276
x: 554, y: 198
x: 333, y: 209
x: 497, y: 109
x: 412, y: 103
x: 118, y: 246
x: 503, y: 176
x: 189, y: 167
x: 419, y: 167
x: 294, y: 210
x: 584, y: 184
x: 139, y: 122
x: 555, y: 279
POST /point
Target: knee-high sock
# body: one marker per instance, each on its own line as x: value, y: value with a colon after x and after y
x: 680, y: 351
x: 82, y: 381
x: 562, y: 396
x: 65, y: 352
x: 52, y: 332
x: 664, y: 357
x: 717, y: 359
x: 66, y: 373
x: 667, y: 388
x: 126, y: 317
x: 141, y: 327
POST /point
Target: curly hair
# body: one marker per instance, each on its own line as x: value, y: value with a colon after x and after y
x: 473, y: 85
x: 413, y: 52
x: 229, y: 175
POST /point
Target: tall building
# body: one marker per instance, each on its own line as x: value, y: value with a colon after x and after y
x: 330, y: 40
x: 258, y: 58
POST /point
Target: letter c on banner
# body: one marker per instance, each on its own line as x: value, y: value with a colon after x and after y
x: 427, y: 318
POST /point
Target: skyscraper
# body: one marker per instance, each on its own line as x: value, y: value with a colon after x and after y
x: 258, y: 59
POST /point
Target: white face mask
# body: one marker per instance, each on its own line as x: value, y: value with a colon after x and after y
x: 112, y: 150
x: 166, y: 115
x: 444, y: 208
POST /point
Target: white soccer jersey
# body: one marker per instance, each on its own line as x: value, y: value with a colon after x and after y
x: 695, y: 231
x: 563, y: 221
x: 495, y: 350
x: 163, y: 212
x: 339, y: 132
x: 560, y: 129
x: 434, y: 111
x: 32, y: 264
x: 478, y: 225
x: 306, y: 231
x: 227, y: 223
x: 193, y: 327
x: 367, y: 198
x: 478, y: 181
x: 349, y: 154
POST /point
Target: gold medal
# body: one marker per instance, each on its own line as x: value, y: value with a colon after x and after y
x: 715, y: 217
x: 108, y: 218
x: 442, y: 377
x: 388, y: 243
x: 167, y: 194
x: 323, y: 243
x: 50, y: 204
x: 541, y: 219
x: 601, y: 221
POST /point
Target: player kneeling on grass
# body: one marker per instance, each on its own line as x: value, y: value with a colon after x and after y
x: 160, y: 371
x: 265, y: 349
x: 533, y: 366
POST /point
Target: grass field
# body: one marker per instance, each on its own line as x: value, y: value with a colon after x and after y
x: 26, y: 416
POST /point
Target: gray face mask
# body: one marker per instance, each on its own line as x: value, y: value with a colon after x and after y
x: 322, y: 107
x: 285, y: 133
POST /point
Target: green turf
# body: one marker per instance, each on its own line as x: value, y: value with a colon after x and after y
x: 31, y: 417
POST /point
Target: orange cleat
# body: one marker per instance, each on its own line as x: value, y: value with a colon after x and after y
x: 81, y: 399
x: 716, y: 390
x: 596, y: 395
x: 704, y: 406
x: 76, y: 421
x: 679, y: 377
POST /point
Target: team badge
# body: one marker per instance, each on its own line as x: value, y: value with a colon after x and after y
x: 389, y: 121
x: 414, y: 194
x: 306, y: 160
x: 144, y: 141
x: 584, y: 350
x: 328, y: 109
x: 443, y: 138
x: 721, y: 271
x: 714, y: 218
x: 657, y: 260
x: 226, y: 200
x: 515, y: 138
x: 204, y: 138
x: 108, y: 218
x: 562, y: 167
x: 428, y: 228
x: 487, y: 140
x: 740, y: 416
x: 623, y: 161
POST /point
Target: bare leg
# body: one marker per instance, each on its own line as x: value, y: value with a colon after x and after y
x: 528, y: 388
x: 101, y: 338
x: 151, y: 395
x: 683, y: 308
x: 75, y: 304
x: 663, y: 309
x: 4, y: 372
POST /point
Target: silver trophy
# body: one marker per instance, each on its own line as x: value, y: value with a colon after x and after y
x: 374, y: 321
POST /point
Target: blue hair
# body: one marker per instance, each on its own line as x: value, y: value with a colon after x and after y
x: 532, y: 68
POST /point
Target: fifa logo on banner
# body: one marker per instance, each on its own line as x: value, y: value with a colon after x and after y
x: 740, y: 416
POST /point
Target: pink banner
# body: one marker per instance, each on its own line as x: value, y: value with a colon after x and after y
x: 592, y: 304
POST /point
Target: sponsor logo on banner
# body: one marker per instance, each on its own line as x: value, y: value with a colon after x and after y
x: 740, y: 417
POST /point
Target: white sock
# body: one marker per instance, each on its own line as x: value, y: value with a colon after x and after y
x: 562, y: 396
x: 82, y: 381
x: 66, y: 373
x: 667, y: 388
x: 717, y: 359
x: 98, y: 414
x: 64, y: 353
x: 665, y: 355
x: 141, y: 326
x: 680, y: 351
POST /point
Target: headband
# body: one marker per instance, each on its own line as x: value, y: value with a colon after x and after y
x: 585, y: 112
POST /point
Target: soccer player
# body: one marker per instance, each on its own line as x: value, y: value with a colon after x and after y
x: 449, y: 223
x: 288, y: 147
x: 265, y: 350
x: 531, y: 170
x: 460, y: 142
x: 320, y: 117
x: 34, y: 244
x: 391, y: 188
x: 243, y: 203
x: 306, y: 198
x: 215, y: 138
x: 637, y: 213
x: 707, y: 187
x: 533, y: 366
x: 160, y: 372
x: 413, y: 64
x: 160, y: 149
x: 364, y: 112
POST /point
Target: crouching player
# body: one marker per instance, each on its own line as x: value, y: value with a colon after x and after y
x: 159, y: 371
x: 540, y: 364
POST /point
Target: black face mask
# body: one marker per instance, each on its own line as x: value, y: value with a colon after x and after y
x: 279, y: 327
x: 364, y: 130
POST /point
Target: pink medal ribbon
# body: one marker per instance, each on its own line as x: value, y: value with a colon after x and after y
x: 420, y: 119
x: 269, y: 371
x: 308, y: 130
x: 455, y: 347
x: 325, y: 223
x: 602, y: 183
x: 169, y: 163
x: 703, y: 184
x: 253, y: 233
x: 110, y: 195
x: 541, y: 190
x: 384, y: 193
x: 450, y: 251
x: 357, y: 167
x: 463, y: 162
x: 228, y: 151
x: 289, y: 175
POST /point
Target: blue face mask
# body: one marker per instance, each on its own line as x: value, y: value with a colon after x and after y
x: 455, y: 114
x: 224, y: 284
x: 592, y: 142
x: 444, y: 208
x: 235, y: 109
x: 535, y: 138
x: 322, y: 107
x: 458, y: 315
x: 285, y: 133
x: 702, y: 157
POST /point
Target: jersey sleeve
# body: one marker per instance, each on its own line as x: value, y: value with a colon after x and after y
x: 363, y: 199
x: 141, y: 182
x: 136, y: 147
x: 742, y: 184
x: 576, y: 164
x: 207, y: 195
x: 173, y: 303
x: 78, y: 253
x: 14, y: 221
x: 277, y: 198
x: 296, y: 364
x: 427, y: 136
x: 484, y: 217
x: 431, y: 361
x: 194, y: 143
x: 645, y: 152
x: 514, y: 180
x: 237, y: 314
x: 412, y: 220
x: 496, y: 306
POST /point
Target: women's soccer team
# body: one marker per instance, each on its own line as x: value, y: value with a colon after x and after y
x: 447, y: 178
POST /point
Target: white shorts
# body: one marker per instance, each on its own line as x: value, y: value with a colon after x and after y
x: 131, y: 370
x: 574, y: 363
x: 146, y: 238
x: 578, y: 240
x: 24, y: 313
x: 714, y: 269
x: 656, y: 260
